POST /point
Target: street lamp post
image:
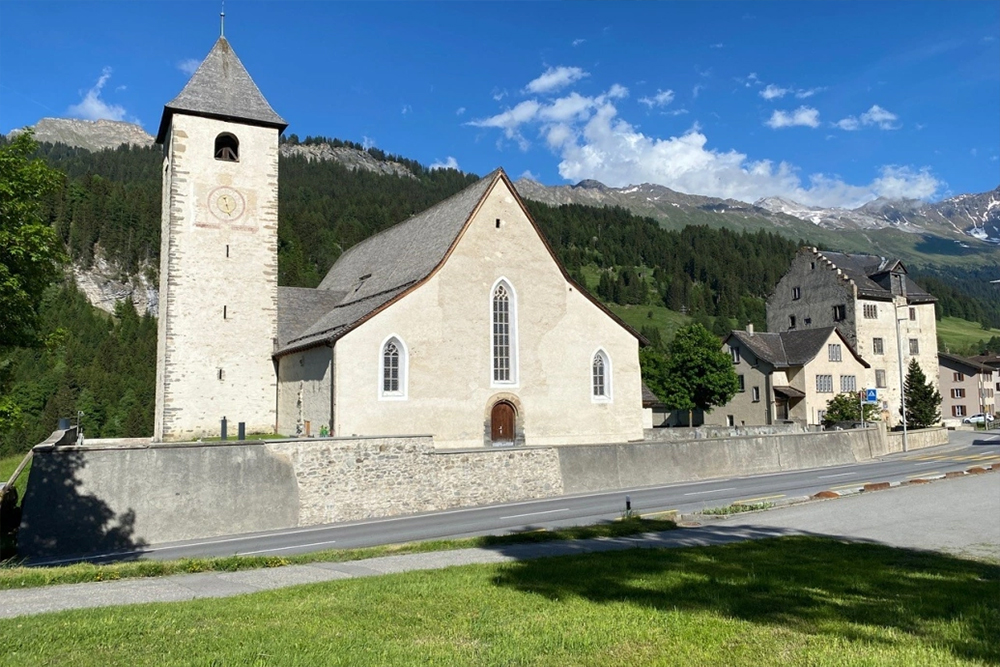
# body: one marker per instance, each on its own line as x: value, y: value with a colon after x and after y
x: 899, y: 358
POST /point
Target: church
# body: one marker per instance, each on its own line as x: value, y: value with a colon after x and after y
x: 458, y: 322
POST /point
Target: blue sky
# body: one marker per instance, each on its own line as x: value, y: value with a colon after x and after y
x: 826, y: 103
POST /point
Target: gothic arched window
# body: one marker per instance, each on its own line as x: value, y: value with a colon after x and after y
x: 504, y: 334
x: 393, y: 369
x: 227, y: 147
x: 600, y: 375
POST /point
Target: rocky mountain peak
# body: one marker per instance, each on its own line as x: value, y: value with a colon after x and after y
x: 591, y: 184
x: 93, y: 135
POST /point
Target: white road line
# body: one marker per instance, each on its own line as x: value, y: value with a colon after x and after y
x: 926, y: 463
x: 698, y: 493
x: 843, y: 474
x: 518, y: 516
x: 294, y: 546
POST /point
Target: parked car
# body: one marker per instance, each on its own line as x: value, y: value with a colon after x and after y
x: 979, y: 418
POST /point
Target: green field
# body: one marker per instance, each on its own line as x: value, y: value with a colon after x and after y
x: 789, y: 601
x: 960, y: 334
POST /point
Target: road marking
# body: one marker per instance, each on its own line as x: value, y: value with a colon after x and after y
x: 926, y: 463
x: 850, y: 486
x: 518, y: 516
x: 698, y: 493
x: 930, y: 472
x: 294, y: 546
x: 843, y: 474
x: 757, y: 500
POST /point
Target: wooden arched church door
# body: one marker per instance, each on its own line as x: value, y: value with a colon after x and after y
x: 502, y: 424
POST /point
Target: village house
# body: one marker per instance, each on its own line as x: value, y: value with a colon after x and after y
x: 873, y: 303
x: 967, y: 388
x: 787, y: 377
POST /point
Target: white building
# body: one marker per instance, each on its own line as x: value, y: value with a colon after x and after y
x: 458, y: 323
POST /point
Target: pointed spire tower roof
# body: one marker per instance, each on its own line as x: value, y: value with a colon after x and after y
x: 221, y: 88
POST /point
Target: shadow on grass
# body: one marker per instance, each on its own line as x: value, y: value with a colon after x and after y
x: 812, y: 585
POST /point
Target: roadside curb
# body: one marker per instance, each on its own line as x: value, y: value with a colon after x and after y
x: 881, y: 486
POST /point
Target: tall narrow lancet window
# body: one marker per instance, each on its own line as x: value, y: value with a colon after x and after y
x: 393, y: 369
x: 600, y: 375
x: 504, y: 335
x: 227, y: 147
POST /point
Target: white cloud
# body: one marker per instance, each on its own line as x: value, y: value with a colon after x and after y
x: 718, y: 45
x: 592, y: 141
x: 498, y: 94
x: 803, y: 116
x: 367, y: 142
x: 850, y: 123
x: 661, y: 99
x: 877, y: 116
x: 675, y: 112
x: 617, y: 91
x: 188, y: 65
x: 450, y: 163
x: 578, y: 42
x: 804, y: 93
x: 406, y: 109
x: 92, y: 107
x: 772, y: 92
x: 696, y: 90
x: 555, y: 78
x: 881, y: 117
x: 459, y: 111
x: 530, y: 176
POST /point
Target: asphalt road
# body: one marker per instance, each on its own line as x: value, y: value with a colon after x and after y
x: 965, y: 449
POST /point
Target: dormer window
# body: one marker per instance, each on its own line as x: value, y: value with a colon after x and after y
x: 227, y: 147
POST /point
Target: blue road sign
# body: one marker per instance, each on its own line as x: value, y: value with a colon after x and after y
x: 871, y: 395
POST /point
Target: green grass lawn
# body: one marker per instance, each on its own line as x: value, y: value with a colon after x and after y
x: 959, y: 334
x: 664, y: 319
x: 789, y: 601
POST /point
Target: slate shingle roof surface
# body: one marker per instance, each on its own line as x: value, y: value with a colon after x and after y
x: 789, y: 348
x: 221, y: 88
x: 967, y: 362
x: 373, y: 272
x: 871, y: 274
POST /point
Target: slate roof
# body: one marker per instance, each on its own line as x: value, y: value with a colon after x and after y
x: 371, y: 273
x: 221, y: 88
x: 790, y: 348
x: 381, y: 268
x: 968, y: 363
x: 871, y: 274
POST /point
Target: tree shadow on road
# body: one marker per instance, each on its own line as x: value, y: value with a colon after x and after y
x: 813, y: 585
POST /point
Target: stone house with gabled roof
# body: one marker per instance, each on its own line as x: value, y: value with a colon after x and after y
x: 461, y: 323
x: 863, y: 296
x: 787, y: 377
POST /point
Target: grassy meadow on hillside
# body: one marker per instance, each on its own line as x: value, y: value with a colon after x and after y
x: 959, y: 334
x: 789, y: 601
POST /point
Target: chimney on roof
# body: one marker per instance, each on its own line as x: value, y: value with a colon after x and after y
x: 750, y: 328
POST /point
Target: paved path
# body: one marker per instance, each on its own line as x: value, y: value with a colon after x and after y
x: 956, y: 515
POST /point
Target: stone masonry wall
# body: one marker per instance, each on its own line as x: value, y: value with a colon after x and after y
x: 350, y: 479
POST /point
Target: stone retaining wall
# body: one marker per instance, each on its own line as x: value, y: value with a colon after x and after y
x: 707, y: 432
x: 345, y: 480
x: 925, y: 437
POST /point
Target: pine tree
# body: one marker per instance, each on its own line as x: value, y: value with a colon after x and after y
x: 922, y: 399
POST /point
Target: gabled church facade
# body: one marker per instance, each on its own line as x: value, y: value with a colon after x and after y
x: 458, y: 323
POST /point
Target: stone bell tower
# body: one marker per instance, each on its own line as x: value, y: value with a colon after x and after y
x: 218, y: 254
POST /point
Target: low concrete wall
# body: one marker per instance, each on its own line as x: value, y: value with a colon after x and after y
x: 604, y: 467
x: 919, y: 439
x: 706, y: 432
x: 99, y: 499
x: 116, y: 498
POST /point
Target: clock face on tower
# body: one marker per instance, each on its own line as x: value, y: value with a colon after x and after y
x: 225, y: 203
